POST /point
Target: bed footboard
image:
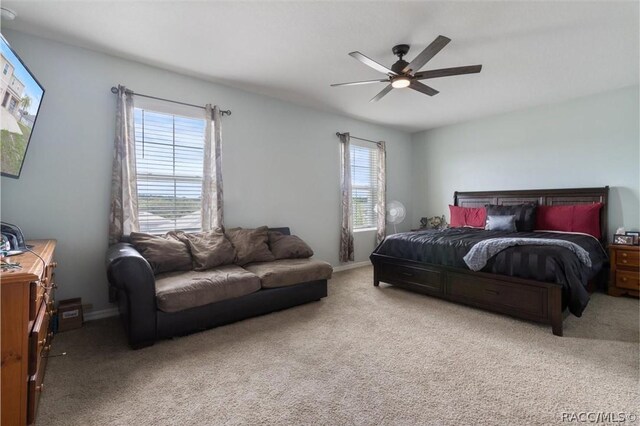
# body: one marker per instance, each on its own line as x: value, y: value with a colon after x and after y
x: 521, y: 298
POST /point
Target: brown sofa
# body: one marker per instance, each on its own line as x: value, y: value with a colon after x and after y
x: 177, y: 303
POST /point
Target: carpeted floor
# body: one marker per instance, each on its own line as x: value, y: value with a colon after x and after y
x: 363, y: 356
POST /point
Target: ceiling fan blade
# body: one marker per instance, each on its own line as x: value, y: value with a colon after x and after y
x: 429, y: 52
x: 371, y: 63
x: 445, y: 72
x: 423, y: 88
x: 383, y: 92
x: 356, y: 83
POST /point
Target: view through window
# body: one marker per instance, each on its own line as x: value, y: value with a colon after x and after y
x: 364, y: 165
x: 169, y: 163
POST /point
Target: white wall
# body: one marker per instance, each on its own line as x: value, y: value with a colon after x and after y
x: 280, y: 161
x: 587, y: 142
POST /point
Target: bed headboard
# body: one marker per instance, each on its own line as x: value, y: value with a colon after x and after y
x: 544, y: 197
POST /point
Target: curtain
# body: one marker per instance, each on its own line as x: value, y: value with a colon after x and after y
x: 123, y: 217
x: 346, y: 228
x: 212, y: 195
x: 381, y: 200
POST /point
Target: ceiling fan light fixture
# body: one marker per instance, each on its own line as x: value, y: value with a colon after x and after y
x: 400, y: 82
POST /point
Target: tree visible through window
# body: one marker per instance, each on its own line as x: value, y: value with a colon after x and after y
x: 169, y: 167
x: 364, y: 165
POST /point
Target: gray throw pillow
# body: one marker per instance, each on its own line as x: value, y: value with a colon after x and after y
x: 501, y: 223
x: 288, y: 246
x: 208, y: 249
x: 251, y: 245
x: 165, y: 253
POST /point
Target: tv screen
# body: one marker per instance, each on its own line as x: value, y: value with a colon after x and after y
x: 20, y: 99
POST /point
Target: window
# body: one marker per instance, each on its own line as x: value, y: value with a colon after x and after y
x: 6, y: 69
x: 364, y: 166
x: 169, y: 163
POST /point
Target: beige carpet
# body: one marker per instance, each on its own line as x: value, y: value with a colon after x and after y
x: 363, y: 356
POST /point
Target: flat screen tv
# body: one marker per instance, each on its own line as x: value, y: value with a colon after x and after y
x: 20, y: 99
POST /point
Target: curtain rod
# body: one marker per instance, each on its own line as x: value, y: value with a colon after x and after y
x: 114, y: 90
x: 354, y: 137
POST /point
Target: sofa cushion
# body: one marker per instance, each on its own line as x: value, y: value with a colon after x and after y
x: 286, y: 272
x: 165, y: 253
x: 208, y: 249
x: 250, y: 244
x: 288, y: 246
x: 177, y: 291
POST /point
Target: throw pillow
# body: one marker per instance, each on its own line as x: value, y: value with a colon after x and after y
x: 525, y: 214
x: 583, y: 218
x: 251, y: 245
x: 208, y: 249
x: 288, y: 246
x: 473, y: 217
x: 501, y: 223
x: 165, y: 253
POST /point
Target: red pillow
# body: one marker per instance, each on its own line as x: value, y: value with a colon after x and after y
x: 474, y: 217
x: 583, y: 218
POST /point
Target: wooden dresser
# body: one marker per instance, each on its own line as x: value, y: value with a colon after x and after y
x: 625, y: 270
x: 27, y: 309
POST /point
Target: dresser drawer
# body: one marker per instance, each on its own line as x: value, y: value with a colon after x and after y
x: 39, y: 339
x: 510, y: 297
x: 420, y: 279
x: 34, y: 390
x: 628, y: 258
x: 628, y: 279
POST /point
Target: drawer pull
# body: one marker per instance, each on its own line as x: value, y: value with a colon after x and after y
x: 624, y: 254
x: 40, y: 387
x: 624, y: 279
x: 624, y: 260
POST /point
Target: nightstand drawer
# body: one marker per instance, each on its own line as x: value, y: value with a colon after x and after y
x: 627, y: 258
x: 628, y: 279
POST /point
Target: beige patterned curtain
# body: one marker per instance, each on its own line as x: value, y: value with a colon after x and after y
x: 381, y: 196
x: 212, y: 194
x: 346, y: 228
x: 123, y: 217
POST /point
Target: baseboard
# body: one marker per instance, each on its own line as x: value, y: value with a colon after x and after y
x: 351, y: 266
x: 103, y: 313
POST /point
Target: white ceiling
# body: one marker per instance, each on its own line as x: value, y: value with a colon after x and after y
x: 532, y: 53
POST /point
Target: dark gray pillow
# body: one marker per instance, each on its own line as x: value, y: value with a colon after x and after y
x: 288, y: 246
x: 208, y: 249
x: 525, y: 214
x: 501, y: 223
x: 165, y: 253
x: 251, y: 245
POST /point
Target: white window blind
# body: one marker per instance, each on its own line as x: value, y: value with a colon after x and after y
x: 364, y: 166
x: 169, y: 162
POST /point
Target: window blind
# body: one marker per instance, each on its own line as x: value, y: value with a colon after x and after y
x: 364, y: 166
x: 169, y: 163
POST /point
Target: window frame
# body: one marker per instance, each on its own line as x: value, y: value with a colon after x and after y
x: 372, y: 186
x: 177, y: 177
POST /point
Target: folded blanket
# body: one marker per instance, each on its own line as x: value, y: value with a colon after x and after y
x: 482, y: 251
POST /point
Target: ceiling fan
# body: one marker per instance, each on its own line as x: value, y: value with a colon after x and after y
x: 406, y: 74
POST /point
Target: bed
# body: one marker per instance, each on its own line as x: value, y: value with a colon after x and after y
x: 430, y: 262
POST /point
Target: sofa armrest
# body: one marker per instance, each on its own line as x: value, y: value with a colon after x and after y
x: 131, y: 274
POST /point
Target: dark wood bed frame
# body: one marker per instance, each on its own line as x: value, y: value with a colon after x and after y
x: 523, y: 298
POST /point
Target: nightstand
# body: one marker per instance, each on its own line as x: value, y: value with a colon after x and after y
x: 625, y: 270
